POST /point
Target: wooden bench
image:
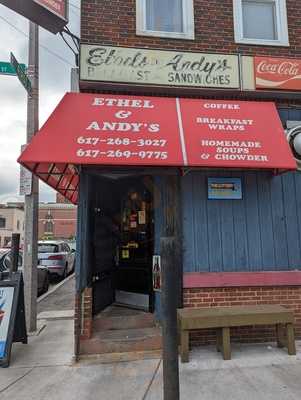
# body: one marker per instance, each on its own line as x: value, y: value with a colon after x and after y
x: 223, y: 318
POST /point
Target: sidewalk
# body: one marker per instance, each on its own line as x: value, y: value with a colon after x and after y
x: 60, y: 296
x: 44, y: 368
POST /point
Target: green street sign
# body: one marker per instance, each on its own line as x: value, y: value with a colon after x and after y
x: 7, y: 69
x: 21, y: 74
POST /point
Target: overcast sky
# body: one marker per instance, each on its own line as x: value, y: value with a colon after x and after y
x: 54, y: 82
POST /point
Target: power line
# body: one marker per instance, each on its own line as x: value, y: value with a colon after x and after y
x: 41, y: 45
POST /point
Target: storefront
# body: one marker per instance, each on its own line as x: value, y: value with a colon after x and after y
x: 185, y: 145
x: 235, y: 200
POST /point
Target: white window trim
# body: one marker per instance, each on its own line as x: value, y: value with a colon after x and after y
x: 282, y: 28
x: 188, y: 22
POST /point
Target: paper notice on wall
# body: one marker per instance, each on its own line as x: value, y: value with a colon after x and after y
x: 25, y: 179
x: 141, y: 217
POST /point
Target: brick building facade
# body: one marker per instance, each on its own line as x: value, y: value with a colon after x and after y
x: 11, y: 221
x: 57, y: 221
x: 114, y: 23
x: 214, y: 83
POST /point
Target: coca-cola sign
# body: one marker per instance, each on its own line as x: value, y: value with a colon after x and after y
x: 277, y: 73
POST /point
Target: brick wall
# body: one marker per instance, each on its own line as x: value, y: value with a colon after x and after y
x: 288, y: 296
x: 83, y: 314
x: 113, y: 22
x: 64, y: 221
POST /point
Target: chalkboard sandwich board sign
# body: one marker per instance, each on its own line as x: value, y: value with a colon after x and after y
x: 12, y: 315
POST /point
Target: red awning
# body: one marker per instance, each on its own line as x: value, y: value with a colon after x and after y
x: 123, y: 130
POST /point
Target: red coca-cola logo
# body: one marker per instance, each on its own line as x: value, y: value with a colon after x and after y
x: 287, y: 68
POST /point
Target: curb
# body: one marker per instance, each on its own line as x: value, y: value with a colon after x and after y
x: 56, y: 315
x: 55, y: 288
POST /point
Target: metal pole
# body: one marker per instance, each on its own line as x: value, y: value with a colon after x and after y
x: 32, y: 200
x: 171, y: 265
x: 169, y: 300
x: 15, y: 244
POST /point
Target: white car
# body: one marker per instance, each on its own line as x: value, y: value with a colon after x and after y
x: 57, y: 256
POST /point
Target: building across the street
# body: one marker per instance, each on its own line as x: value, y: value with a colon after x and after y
x: 57, y: 220
x: 186, y: 135
x: 11, y: 221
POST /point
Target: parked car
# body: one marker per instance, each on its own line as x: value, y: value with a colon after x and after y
x: 57, y: 256
x: 43, y: 274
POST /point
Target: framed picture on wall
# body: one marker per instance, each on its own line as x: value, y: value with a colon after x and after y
x: 224, y: 189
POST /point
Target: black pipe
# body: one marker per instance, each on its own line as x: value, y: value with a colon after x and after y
x: 169, y: 298
x: 15, y: 244
x: 170, y: 245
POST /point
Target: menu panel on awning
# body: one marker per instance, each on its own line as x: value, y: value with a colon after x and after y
x: 234, y: 134
x: 124, y: 130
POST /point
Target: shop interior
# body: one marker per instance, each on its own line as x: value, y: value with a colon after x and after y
x: 121, y: 241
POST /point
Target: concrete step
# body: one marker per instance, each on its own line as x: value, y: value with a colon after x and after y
x: 142, y: 320
x: 122, y: 341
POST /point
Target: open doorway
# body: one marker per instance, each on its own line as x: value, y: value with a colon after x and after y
x: 123, y: 243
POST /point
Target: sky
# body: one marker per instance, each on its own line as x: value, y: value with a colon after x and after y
x: 54, y: 82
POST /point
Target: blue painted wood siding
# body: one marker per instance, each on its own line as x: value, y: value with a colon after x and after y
x: 260, y: 232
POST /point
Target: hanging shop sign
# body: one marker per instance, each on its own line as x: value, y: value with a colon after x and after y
x: 57, y: 7
x: 224, y: 189
x: 277, y: 73
x: 158, y: 67
x: 51, y: 15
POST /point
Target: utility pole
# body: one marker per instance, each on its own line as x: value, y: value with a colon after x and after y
x: 32, y: 200
x: 170, y: 243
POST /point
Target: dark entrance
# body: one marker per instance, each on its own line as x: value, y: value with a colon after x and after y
x: 123, y: 242
x: 104, y: 244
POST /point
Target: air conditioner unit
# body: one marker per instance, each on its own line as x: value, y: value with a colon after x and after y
x: 293, y: 135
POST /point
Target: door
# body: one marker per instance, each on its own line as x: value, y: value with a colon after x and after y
x: 134, y: 269
x: 104, y: 244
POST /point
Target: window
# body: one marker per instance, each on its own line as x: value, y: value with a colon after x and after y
x: 165, y: 18
x: 48, y: 227
x: 18, y: 225
x: 48, y: 248
x: 262, y: 22
x: 2, y: 222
